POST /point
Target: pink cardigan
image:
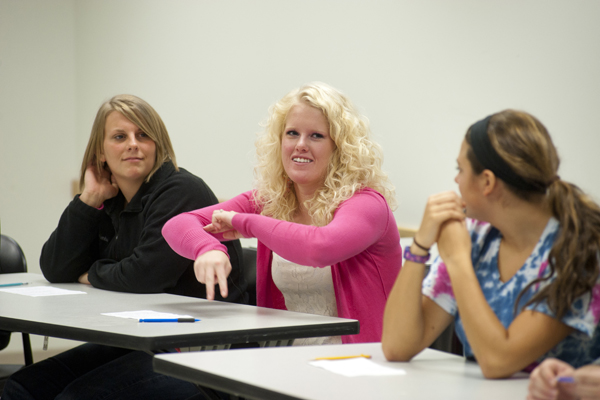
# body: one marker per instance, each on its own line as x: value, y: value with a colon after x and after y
x: 361, y: 244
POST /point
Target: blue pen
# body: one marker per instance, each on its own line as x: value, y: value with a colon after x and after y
x: 169, y: 320
x: 14, y: 284
x: 565, y: 379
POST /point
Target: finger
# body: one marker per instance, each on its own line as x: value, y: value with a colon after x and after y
x: 209, y: 276
x: 199, y: 272
x: 222, y: 274
x: 210, y: 228
x: 442, y: 198
x: 442, y: 207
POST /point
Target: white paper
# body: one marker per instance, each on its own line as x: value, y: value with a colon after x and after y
x: 146, y: 314
x: 41, y: 291
x: 359, y: 366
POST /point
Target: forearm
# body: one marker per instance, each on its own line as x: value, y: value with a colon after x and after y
x: 185, y: 232
x: 72, y: 247
x: 358, y: 223
x: 499, y: 351
x: 403, y: 321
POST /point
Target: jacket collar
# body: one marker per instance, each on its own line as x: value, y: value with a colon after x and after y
x: 137, y: 204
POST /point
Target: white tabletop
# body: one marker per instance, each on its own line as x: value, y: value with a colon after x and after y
x: 285, y: 373
x: 79, y: 317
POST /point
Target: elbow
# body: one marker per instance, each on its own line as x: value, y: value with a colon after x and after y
x: 497, y: 367
x: 168, y: 227
x: 393, y: 352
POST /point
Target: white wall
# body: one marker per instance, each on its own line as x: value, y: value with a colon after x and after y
x: 38, y: 153
x: 422, y: 71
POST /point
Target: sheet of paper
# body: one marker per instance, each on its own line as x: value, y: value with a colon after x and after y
x: 146, y: 314
x: 356, y: 367
x: 41, y: 291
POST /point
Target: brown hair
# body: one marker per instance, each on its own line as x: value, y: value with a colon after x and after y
x: 144, y: 117
x: 524, y: 143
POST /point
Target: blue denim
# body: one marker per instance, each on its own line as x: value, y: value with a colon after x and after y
x: 95, y: 372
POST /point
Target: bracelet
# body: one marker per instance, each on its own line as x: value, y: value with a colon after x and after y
x: 408, y: 256
x: 419, y: 246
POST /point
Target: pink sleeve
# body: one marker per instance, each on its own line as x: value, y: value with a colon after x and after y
x: 186, y: 235
x: 358, y: 223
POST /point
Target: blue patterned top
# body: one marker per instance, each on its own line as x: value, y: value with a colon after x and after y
x: 579, y: 348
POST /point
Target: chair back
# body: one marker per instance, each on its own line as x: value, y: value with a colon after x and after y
x: 250, y: 273
x: 12, y: 258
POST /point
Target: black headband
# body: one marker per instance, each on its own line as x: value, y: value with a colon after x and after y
x: 490, y: 159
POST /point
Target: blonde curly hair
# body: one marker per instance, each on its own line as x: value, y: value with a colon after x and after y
x: 355, y: 163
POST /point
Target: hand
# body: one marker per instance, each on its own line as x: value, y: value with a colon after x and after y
x: 440, y: 208
x: 98, y: 186
x: 221, y: 223
x: 543, y: 384
x: 213, y: 266
x: 454, y: 242
x: 587, y: 382
x: 84, y: 279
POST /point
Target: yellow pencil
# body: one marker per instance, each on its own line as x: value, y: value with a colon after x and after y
x: 343, y: 357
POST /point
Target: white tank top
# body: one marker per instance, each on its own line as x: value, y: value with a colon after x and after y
x: 306, y: 290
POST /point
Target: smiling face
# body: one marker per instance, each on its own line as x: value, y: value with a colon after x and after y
x: 306, y: 148
x: 128, y: 151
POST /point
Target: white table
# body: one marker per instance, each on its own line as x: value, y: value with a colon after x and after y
x: 285, y: 373
x: 78, y: 317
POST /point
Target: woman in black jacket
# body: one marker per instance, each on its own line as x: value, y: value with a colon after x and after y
x: 109, y: 236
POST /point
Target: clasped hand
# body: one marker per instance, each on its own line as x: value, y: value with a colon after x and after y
x: 443, y: 223
x: 221, y: 223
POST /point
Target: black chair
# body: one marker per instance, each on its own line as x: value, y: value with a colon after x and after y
x: 249, y: 255
x: 12, y: 260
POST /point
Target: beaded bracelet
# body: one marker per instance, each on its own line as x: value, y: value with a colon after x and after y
x: 408, y: 256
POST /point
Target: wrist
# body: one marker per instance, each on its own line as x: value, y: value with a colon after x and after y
x: 417, y: 251
x: 415, y: 257
x: 92, y: 200
x: 457, y: 262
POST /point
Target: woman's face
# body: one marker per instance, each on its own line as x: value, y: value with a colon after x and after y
x: 128, y: 151
x: 467, y: 181
x: 306, y: 147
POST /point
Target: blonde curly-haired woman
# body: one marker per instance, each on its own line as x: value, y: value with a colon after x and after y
x: 328, y: 242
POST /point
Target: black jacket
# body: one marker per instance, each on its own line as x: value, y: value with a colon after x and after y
x: 123, y: 249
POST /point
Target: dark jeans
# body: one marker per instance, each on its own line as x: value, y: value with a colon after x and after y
x: 95, y: 372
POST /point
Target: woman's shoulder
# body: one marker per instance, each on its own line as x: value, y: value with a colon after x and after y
x: 480, y: 232
x: 183, y: 179
x: 367, y: 195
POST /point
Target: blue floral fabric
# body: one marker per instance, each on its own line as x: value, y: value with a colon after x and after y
x: 579, y: 348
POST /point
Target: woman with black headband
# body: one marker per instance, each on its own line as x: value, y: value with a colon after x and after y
x: 519, y: 255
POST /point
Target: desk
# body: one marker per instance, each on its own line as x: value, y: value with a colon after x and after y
x: 78, y: 317
x: 284, y: 373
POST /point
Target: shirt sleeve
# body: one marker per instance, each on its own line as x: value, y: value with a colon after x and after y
x: 358, y: 223
x: 437, y: 287
x: 584, y: 314
x: 73, y: 246
x: 185, y: 233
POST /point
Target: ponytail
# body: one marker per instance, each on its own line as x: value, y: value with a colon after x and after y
x: 574, y: 257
